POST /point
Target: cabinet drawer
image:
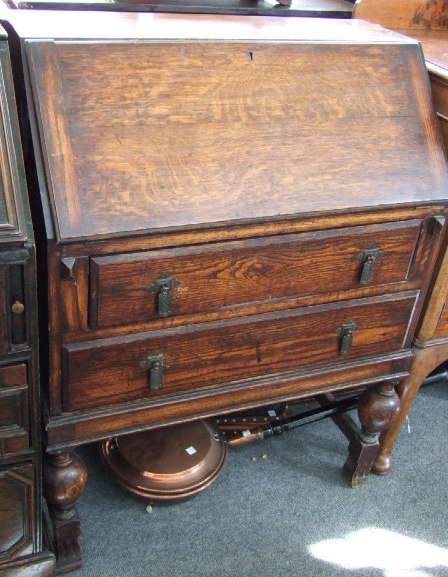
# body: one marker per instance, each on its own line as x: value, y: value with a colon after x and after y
x: 13, y: 329
x: 14, y: 412
x: 147, y: 285
x: 118, y: 369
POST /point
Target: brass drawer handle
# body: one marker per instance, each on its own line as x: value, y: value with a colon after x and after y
x: 163, y: 286
x: 155, y: 364
x: 346, y: 333
x: 18, y: 308
x: 367, y: 259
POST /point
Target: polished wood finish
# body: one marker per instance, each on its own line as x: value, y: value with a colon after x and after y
x: 284, y: 178
x: 41, y: 565
x: 78, y: 428
x: 436, y: 57
x: 65, y: 476
x: 428, y: 23
x: 107, y: 192
x: 425, y: 361
x: 21, y: 548
x: 377, y: 408
x: 404, y: 14
x: 14, y: 409
x: 212, y: 277
x: 17, y: 488
x: 223, y: 352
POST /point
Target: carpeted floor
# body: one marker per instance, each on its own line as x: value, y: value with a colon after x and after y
x: 288, y: 514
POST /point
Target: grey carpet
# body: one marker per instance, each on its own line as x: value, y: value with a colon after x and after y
x: 289, y: 514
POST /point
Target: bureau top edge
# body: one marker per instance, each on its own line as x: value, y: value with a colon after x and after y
x: 173, y: 26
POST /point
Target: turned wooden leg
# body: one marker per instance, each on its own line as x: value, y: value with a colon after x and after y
x: 64, y: 479
x: 376, y: 409
x: 425, y: 361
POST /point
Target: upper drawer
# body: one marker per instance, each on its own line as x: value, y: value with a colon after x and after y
x: 14, y: 419
x: 176, y: 360
x: 180, y: 281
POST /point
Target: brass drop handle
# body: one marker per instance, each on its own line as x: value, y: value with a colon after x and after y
x: 18, y: 308
x: 345, y: 331
x: 163, y: 286
x: 367, y: 259
x: 155, y: 363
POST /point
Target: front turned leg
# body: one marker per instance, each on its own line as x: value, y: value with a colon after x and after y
x: 376, y: 408
x: 64, y: 479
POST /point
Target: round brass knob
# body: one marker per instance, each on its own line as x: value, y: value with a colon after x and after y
x: 18, y: 308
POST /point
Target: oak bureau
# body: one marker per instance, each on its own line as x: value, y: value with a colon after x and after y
x: 234, y: 211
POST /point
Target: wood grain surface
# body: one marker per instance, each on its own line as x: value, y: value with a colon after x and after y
x: 435, y: 45
x: 404, y: 14
x: 189, y: 134
x: 14, y: 409
x: 16, y: 494
x: 100, y: 373
x: 217, y: 276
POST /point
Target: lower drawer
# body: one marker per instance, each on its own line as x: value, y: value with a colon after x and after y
x: 14, y: 411
x: 184, y: 359
x: 17, y: 511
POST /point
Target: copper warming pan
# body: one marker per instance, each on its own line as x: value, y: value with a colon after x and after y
x: 166, y: 464
x: 172, y: 463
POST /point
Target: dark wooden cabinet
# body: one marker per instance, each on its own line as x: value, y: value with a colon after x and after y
x: 17, y: 487
x: 235, y: 211
x: 21, y: 551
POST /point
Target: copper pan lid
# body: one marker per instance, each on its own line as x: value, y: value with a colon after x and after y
x: 168, y: 463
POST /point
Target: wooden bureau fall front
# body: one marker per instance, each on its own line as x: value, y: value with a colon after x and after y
x: 234, y: 211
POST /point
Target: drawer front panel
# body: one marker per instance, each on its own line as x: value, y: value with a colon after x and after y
x: 115, y: 370
x: 13, y: 331
x: 17, y: 506
x: 14, y: 410
x: 149, y: 285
